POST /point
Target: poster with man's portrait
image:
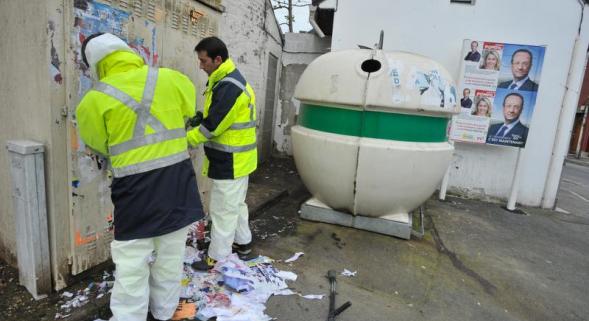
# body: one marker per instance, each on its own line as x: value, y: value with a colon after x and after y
x: 521, y: 67
x: 502, y: 85
x: 512, y: 112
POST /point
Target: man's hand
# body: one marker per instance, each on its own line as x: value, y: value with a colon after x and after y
x: 195, y: 121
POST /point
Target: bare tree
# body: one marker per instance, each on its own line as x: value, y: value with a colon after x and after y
x: 280, y: 5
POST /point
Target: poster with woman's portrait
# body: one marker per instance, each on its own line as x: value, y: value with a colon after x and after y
x: 499, y: 92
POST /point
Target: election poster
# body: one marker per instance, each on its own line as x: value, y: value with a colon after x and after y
x: 498, y: 86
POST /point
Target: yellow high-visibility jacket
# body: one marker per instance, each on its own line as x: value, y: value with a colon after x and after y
x: 228, y: 129
x: 135, y: 115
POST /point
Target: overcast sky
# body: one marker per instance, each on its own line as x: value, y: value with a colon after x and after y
x: 301, y: 15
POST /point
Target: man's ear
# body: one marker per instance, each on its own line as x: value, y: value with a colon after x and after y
x: 218, y: 60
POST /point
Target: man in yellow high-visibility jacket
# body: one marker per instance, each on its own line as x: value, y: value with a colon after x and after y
x: 135, y: 116
x: 228, y: 131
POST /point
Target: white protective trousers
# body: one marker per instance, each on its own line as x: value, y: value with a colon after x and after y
x: 230, y: 216
x: 137, y: 284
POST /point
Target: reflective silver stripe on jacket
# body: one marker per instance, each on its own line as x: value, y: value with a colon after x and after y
x: 144, y: 118
x: 206, y: 133
x: 150, y: 165
x: 249, y: 124
x: 241, y: 125
x: 142, y: 109
x: 244, y: 89
x: 229, y: 149
x: 146, y: 140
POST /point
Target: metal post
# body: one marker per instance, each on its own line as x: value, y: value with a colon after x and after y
x: 515, y: 183
x: 565, y: 120
x: 444, y: 186
x: 581, y: 133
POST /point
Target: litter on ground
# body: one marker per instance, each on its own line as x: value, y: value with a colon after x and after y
x: 233, y: 290
x: 71, y: 301
x: 313, y: 296
x: 294, y: 257
x: 349, y: 273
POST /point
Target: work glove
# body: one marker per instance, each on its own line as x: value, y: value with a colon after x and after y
x: 195, y: 121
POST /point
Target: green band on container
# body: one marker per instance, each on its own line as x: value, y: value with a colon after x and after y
x: 374, y: 124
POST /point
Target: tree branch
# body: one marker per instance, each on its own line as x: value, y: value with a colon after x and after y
x: 284, y: 5
x: 280, y: 3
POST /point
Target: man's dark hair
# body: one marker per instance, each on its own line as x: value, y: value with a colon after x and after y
x: 214, y: 47
x: 522, y: 50
x: 85, y: 43
x: 514, y: 94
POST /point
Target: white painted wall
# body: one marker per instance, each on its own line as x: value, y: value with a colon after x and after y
x: 300, y: 49
x: 436, y: 29
x: 23, y: 43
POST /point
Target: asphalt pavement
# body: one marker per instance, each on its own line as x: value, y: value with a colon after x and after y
x: 476, y: 261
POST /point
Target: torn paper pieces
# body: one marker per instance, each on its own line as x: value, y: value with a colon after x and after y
x: 294, y: 257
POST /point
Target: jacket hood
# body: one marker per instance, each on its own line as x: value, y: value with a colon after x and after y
x: 118, y: 61
x: 103, y: 46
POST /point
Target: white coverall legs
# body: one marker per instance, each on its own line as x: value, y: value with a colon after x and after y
x: 230, y: 216
x: 137, y: 284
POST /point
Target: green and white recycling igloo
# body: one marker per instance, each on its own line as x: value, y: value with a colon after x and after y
x: 371, y: 143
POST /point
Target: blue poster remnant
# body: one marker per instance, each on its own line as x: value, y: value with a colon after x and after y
x: 103, y: 18
x: 93, y: 17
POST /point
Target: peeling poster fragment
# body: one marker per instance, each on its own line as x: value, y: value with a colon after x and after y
x: 91, y: 17
x: 54, y: 70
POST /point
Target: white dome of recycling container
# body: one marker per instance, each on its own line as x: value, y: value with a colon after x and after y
x: 372, y: 136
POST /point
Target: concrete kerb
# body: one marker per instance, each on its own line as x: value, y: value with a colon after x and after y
x: 268, y: 202
x: 578, y: 161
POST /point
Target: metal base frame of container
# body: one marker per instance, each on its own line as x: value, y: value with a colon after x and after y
x: 314, y: 210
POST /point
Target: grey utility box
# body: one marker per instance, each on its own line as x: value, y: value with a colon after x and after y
x: 29, y: 208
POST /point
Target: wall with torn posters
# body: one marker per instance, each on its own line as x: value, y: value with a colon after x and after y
x: 437, y: 30
x: 163, y: 33
x: 47, y: 81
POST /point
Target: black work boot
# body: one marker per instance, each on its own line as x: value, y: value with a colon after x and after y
x: 205, y: 264
x: 244, y: 251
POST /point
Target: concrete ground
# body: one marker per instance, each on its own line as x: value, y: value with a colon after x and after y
x: 476, y: 261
